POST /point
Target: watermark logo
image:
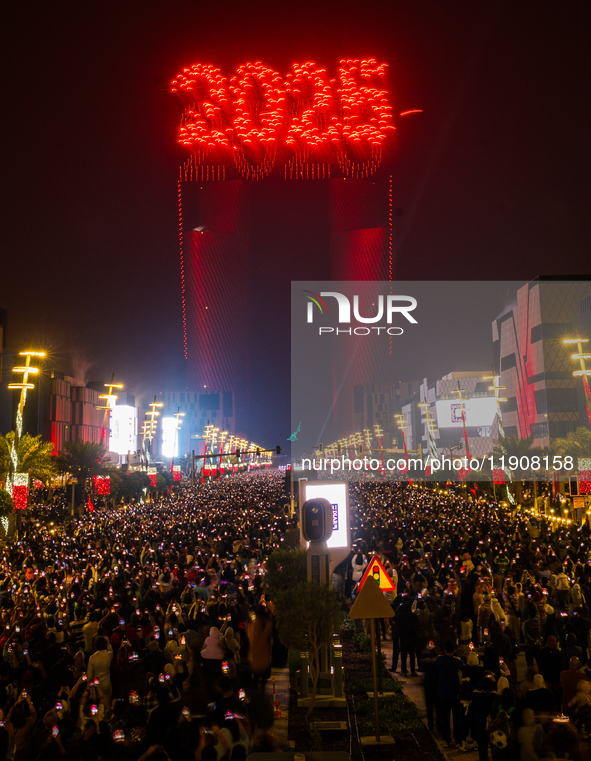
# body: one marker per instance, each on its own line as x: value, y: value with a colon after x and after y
x: 314, y: 298
x: 387, y: 308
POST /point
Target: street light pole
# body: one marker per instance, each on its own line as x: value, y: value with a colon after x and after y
x: 109, y: 403
x: 24, y: 386
x: 584, y: 370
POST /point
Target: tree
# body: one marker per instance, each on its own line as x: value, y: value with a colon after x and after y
x: 6, y: 510
x: 84, y: 459
x: 576, y: 444
x: 283, y: 569
x: 308, y: 614
x: 512, y: 446
x: 137, y: 481
x: 33, y: 456
x: 6, y: 503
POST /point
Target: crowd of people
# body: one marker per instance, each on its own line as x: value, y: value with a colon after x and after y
x: 145, y: 633
x: 478, y: 583
x: 142, y: 632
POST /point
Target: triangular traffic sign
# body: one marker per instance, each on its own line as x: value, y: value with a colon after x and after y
x: 370, y: 603
x: 377, y: 571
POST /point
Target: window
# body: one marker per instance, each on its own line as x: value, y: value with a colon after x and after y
x: 228, y: 404
x: 536, y: 334
x: 508, y: 362
x: 510, y: 405
x: 539, y: 430
x: 546, y: 330
x: 182, y: 396
x: 541, y: 401
x: 562, y: 399
x: 209, y: 401
x: 559, y: 429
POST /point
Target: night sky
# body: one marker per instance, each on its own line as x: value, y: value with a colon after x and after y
x: 491, y: 181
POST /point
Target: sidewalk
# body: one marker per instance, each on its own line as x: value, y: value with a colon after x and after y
x: 413, y: 689
x: 281, y: 679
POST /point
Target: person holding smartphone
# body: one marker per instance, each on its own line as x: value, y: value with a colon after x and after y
x: 92, y: 707
x: 20, y: 721
x: 212, y: 735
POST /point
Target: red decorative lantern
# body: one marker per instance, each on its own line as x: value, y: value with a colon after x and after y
x: 20, y: 496
x: 102, y: 484
x: 498, y: 475
x: 584, y: 475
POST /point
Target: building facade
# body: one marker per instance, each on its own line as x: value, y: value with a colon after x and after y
x: 199, y: 408
x: 535, y: 365
x: 456, y: 400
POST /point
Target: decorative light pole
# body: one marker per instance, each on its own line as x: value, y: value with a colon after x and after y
x: 429, y: 421
x: 14, y: 478
x: 506, y: 475
x: 150, y: 426
x: 401, y: 424
x: 584, y: 370
x: 463, y: 473
x: 584, y: 463
x: 176, y: 469
x: 379, y: 433
x: 223, y: 436
x: 368, y: 438
x: 109, y: 404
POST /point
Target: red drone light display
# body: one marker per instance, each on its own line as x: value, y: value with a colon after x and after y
x: 306, y: 121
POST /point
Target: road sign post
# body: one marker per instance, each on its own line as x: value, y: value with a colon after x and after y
x: 371, y: 603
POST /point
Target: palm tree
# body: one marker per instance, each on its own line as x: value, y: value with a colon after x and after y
x: 518, y: 448
x: 512, y: 446
x: 83, y: 459
x: 576, y: 444
x: 33, y: 455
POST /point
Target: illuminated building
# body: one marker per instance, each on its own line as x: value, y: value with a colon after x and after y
x: 72, y: 413
x: 533, y: 362
x: 260, y: 125
x: 582, y: 328
x: 200, y: 408
x: 125, y: 426
x: 447, y: 398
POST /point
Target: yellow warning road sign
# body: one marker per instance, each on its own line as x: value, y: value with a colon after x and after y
x: 377, y: 571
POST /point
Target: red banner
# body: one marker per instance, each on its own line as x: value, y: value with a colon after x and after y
x: 102, y: 484
x: 498, y: 475
x: 20, y: 496
x: 588, y: 396
x: 585, y: 481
